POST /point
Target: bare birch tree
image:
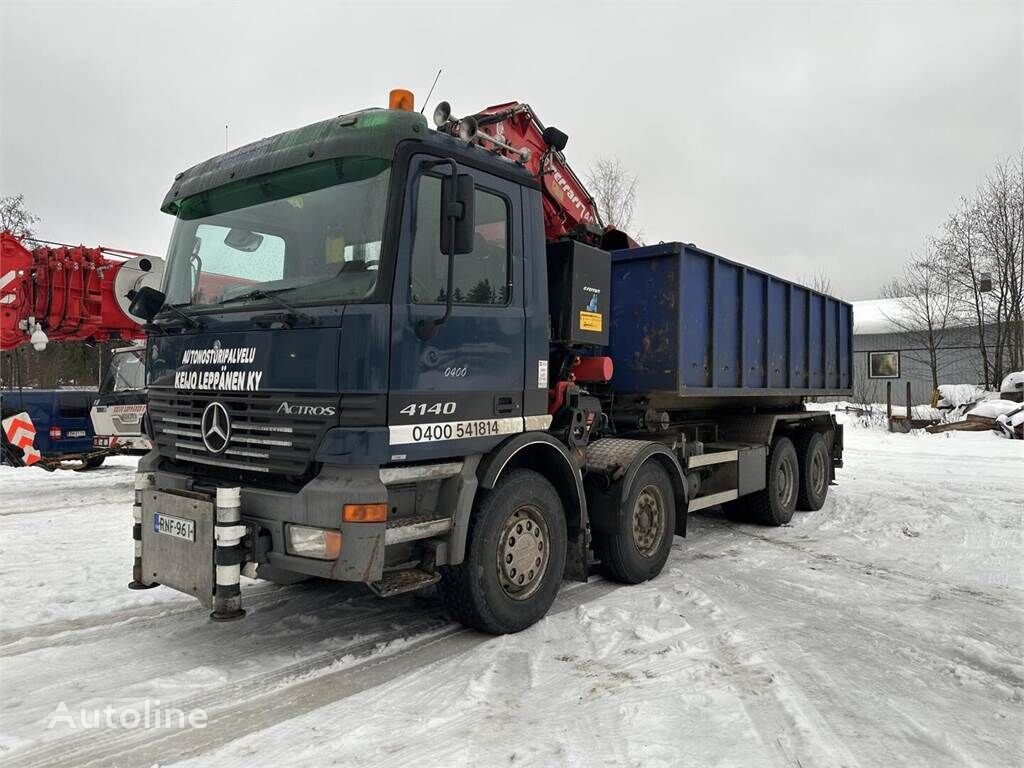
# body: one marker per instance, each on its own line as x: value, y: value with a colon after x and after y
x: 967, y: 261
x: 1002, y: 232
x: 614, y: 190
x: 925, y: 308
x: 983, y: 245
x: 819, y: 280
x: 17, y: 219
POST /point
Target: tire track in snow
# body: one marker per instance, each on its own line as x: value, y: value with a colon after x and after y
x: 97, y: 626
x: 260, y: 701
x: 779, y: 590
x: 60, y: 506
x: 57, y: 500
x: 859, y: 566
x: 842, y: 653
x: 295, y: 625
x: 779, y: 712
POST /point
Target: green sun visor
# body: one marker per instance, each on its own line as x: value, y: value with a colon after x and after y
x: 369, y: 134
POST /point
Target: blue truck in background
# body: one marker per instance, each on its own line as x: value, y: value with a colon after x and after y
x: 61, y: 419
x: 367, y: 364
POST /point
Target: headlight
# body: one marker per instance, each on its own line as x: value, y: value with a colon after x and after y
x: 321, y: 543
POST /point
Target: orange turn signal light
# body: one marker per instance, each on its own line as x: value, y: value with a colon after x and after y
x: 399, y: 98
x: 365, y: 513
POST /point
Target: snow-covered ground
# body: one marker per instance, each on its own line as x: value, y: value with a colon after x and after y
x: 886, y: 629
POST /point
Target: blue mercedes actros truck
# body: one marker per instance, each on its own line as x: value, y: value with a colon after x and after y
x: 406, y: 356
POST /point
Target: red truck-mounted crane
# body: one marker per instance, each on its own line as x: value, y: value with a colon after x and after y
x: 514, y: 131
x: 64, y: 293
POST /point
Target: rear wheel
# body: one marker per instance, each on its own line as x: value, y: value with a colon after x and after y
x: 775, y: 504
x: 646, y: 524
x: 515, y: 555
x: 814, y: 471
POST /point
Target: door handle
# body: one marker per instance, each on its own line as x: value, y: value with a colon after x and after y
x: 504, y: 405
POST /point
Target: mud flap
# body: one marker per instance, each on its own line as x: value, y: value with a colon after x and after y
x: 184, y: 564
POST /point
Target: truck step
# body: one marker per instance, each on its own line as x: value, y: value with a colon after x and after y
x: 403, y: 529
x: 408, y: 580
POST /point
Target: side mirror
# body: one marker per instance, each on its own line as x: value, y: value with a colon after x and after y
x: 458, y: 216
x: 146, y: 303
x: 555, y: 138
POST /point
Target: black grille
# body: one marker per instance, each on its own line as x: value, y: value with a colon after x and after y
x: 270, y: 434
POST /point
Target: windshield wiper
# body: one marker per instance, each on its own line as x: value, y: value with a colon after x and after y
x: 270, y: 296
x: 190, y: 321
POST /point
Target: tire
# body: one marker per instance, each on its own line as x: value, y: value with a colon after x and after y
x: 646, y: 523
x: 815, y: 471
x: 499, y: 588
x: 93, y: 463
x: 775, y: 504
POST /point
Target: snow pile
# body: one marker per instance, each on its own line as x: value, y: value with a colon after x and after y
x: 873, y: 415
x: 993, y: 409
x: 956, y: 395
x: 1006, y: 417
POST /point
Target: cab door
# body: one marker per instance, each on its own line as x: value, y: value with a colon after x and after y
x: 459, y: 391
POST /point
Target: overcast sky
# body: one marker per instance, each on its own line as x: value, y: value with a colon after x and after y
x: 789, y: 136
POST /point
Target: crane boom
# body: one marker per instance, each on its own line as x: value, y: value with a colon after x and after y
x: 513, y: 130
x: 67, y: 293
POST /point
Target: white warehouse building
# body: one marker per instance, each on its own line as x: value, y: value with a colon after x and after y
x: 884, y: 352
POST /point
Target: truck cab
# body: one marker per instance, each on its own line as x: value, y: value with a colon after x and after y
x: 355, y: 372
x: 119, y: 410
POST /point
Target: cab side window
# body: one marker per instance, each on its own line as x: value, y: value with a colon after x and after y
x: 480, y: 277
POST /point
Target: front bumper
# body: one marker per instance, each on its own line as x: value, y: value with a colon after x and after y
x: 122, y: 443
x: 265, y: 512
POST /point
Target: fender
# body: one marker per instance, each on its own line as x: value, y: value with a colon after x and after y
x: 561, y: 468
x: 609, y: 456
x: 565, y: 465
x: 671, y: 463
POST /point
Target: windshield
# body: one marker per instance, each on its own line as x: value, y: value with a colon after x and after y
x: 307, y: 234
x: 127, y: 371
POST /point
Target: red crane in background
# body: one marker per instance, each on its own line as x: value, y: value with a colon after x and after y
x: 68, y: 293
x: 64, y: 293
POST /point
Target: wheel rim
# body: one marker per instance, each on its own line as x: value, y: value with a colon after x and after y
x: 523, y: 553
x: 648, y: 520
x: 818, y: 473
x: 786, y: 483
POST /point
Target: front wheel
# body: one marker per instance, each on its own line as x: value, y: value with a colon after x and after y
x: 515, y: 555
x: 646, y: 524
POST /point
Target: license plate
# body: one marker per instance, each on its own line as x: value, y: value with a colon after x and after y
x: 178, y: 527
x: 75, y: 433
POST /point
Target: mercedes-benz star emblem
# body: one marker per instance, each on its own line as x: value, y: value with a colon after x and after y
x: 216, y: 427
